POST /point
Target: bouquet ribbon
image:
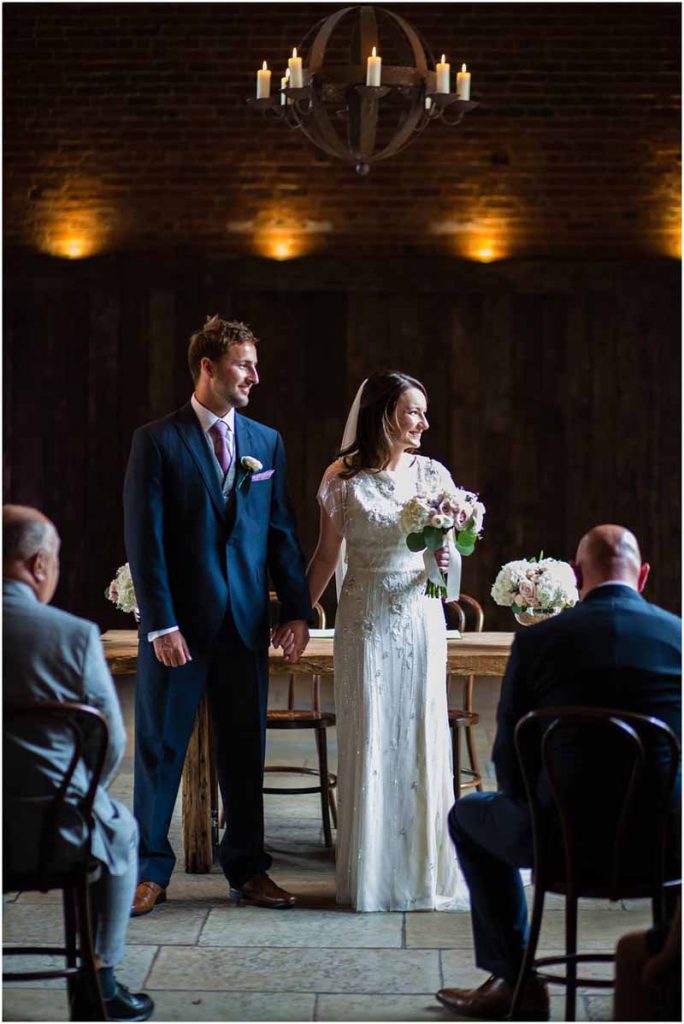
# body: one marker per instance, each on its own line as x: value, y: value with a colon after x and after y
x: 453, y: 580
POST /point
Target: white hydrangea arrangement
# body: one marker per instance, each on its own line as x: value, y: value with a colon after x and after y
x: 121, y: 591
x: 545, y: 585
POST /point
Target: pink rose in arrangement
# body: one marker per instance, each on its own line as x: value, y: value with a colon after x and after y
x: 461, y: 518
x: 528, y: 593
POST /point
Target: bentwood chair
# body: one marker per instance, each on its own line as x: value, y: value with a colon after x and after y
x: 605, y: 830
x: 465, y: 614
x: 316, y: 720
x: 52, y: 863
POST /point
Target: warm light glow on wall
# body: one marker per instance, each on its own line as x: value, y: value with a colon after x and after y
x: 479, y: 237
x: 673, y: 245
x: 76, y: 237
x: 483, y: 249
x: 280, y: 247
x: 282, y: 232
x: 73, y: 248
x: 485, y: 254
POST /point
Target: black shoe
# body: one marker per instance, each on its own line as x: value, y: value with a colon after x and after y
x: 126, y: 1005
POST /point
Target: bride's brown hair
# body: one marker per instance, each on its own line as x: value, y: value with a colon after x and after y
x: 377, y: 423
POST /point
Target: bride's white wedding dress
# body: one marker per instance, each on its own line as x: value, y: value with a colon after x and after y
x: 394, y: 751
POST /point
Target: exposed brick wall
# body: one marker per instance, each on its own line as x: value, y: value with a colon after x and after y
x: 126, y: 125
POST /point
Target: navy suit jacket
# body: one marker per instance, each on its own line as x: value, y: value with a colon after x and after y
x: 191, y: 556
x: 613, y: 650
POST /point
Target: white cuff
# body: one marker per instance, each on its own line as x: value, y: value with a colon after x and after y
x: 161, y: 632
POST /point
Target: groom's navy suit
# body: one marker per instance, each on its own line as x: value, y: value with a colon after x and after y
x: 200, y: 560
x: 613, y: 649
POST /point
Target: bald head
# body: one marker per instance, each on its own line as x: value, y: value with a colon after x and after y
x: 30, y: 548
x: 610, y: 552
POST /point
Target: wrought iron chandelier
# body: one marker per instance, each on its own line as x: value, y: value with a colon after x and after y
x: 349, y: 102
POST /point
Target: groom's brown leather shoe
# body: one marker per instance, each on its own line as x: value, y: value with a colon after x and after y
x: 147, y: 896
x: 492, y: 1000
x: 261, y: 891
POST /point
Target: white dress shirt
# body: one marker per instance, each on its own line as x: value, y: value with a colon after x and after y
x: 207, y: 419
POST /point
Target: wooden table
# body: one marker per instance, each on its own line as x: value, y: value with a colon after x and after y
x: 483, y: 654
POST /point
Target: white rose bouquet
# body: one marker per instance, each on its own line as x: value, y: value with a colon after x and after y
x: 544, y: 585
x: 121, y: 591
x: 428, y: 521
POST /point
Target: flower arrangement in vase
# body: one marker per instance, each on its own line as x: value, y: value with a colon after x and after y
x: 121, y: 591
x: 535, y: 588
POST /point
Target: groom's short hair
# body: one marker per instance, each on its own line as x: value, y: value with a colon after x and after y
x: 215, y: 339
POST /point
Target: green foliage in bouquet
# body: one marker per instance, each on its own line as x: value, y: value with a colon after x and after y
x: 432, y: 538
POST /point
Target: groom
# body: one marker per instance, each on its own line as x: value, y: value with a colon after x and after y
x: 207, y: 517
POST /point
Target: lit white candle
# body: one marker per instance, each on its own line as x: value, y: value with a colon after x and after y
x: 295, y: 66
x: 284, y: 82
x: 374, y: 69
x: 263, y: 82
x: 428, y: 103
x: 443, y: 76
x: 463, y: 84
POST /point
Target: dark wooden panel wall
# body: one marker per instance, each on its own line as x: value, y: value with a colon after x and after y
x: 554, y: 390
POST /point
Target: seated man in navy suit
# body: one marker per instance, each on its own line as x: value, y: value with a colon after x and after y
x: 613, y: 649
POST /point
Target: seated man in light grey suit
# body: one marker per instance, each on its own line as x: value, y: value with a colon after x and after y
x: 51, y: 655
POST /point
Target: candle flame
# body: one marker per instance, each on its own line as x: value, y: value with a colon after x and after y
x: 287, y: 74
x: 264, y: 66
x: 463, y: 67
x: 443, y: 59
x: 294, y: 51
x: 373, y: 53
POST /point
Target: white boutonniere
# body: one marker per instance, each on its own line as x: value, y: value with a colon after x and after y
x: 249, y: 466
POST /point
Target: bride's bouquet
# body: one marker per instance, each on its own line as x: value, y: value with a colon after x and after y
x: 544, y: 586
x: 430, y: 522
x: 121, y: 591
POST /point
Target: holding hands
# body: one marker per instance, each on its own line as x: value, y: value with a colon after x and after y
x: 292, y: 637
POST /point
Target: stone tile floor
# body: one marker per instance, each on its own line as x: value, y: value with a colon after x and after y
x: 203, y: 959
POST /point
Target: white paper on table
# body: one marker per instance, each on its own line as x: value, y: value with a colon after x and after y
x: 328, y: 634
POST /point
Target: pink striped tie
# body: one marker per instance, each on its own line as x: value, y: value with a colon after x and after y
x: 220, y: 432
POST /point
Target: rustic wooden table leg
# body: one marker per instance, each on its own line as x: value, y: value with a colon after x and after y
x: 197, y: 802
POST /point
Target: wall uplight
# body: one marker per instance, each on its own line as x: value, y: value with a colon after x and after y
x: 74, y: 235
x: 72, y: 248
x: 485, y: 254
x: 279, y: 247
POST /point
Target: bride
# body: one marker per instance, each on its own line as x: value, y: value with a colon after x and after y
x: 394, y: 753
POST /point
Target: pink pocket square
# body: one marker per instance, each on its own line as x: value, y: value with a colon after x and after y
x: 266, y: 475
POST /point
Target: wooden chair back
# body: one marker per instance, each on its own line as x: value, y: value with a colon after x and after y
x: 85, y: 729
x: 461, y: 614
x: 465, y: 614
x: 613, y: 836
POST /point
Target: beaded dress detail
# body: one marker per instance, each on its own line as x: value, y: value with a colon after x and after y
x: 394, y: 751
